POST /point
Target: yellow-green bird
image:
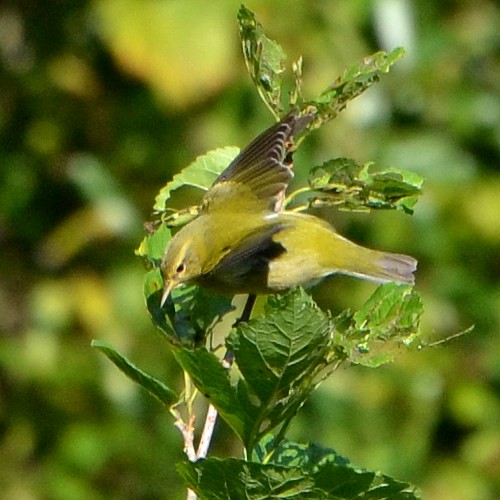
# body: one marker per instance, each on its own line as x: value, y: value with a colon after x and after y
x: 241, y: 241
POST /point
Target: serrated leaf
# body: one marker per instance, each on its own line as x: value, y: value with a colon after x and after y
x: 352, y: 83
x: 390, y: 318
x: 153, y: 246
x: 283, y: 346
x: 212, y: 380
x: 349, y: 482
x: 350, y: 186
x: 264, y: 59
x: 190, y: 313
x: 279, y: 356
x: 388, y: 488
x: 152, y: 385
x: 296, y: 93
x: 343, y: 481
x: 200, y: 174
x: 196, y: 311
x: 232, y: 479
x: 332, y: 473
x: 337, y: 174
x: 308, y: 456
x: 391, y: 309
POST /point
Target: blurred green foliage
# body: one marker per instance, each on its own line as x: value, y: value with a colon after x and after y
x: 102, y: 102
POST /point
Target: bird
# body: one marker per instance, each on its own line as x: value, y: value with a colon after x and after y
x: 244, y: 242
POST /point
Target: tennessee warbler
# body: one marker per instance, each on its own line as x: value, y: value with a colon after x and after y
x: 242, y: 242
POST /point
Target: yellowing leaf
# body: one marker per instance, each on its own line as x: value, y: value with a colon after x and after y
x: 181, y: 48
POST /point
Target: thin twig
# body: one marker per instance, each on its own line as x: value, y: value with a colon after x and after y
x: 451, y: 337
x: 187, y: 431
x: 207, y: 433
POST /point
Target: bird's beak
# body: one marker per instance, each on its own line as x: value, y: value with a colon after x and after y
x: 167, y: 288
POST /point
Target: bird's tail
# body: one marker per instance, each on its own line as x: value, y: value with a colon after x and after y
x: 377, y: 266
x: 395, y: 267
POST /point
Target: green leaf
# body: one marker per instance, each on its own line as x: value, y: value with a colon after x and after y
x: 279, y: 357
x: 152, y: 385
x: 332, y: 473
x: 349, y: 482
x: 264, y: 59
x: 195, y: 313
x: 282, y: 347
x: 343, y: 481
x: 390, y: 318
x: 350, y: 186
x: 199, y: 174
x: 153, y: 246
x: 163, y: 318
x: 232, y: 479
x: 189, y: 314
x: 288, y: 453
x: 352, y: 83
x: 212, y: 380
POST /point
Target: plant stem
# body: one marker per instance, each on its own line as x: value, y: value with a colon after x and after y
x: 211, y: 418
x: 187, y: 431
x: 207, y: 433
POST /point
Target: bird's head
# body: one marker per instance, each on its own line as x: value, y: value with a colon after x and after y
x: 180, y: 264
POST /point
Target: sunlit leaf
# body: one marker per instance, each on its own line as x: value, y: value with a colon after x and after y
x: 281, y: 348
x: 390, y: 318
x: 153, y: 246
x: 264, y: 59
x: 352, y: 83
x: 201, y: 174
x: 349, y: 186
x: 279, y: 356
x: 296, y: 94
x: 232, y: 479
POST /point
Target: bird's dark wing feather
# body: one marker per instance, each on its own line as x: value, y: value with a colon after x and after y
x: 262, y: 171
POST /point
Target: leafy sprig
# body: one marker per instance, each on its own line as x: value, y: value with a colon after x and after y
x: 282, y: 355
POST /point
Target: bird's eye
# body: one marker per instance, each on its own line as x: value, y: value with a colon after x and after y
x: 180, y: 268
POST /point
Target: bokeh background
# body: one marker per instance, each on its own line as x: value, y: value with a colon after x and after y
x: 102, y: 102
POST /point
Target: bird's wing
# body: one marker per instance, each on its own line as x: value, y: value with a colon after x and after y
x: 260, y: 174
x: 248, y: 256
